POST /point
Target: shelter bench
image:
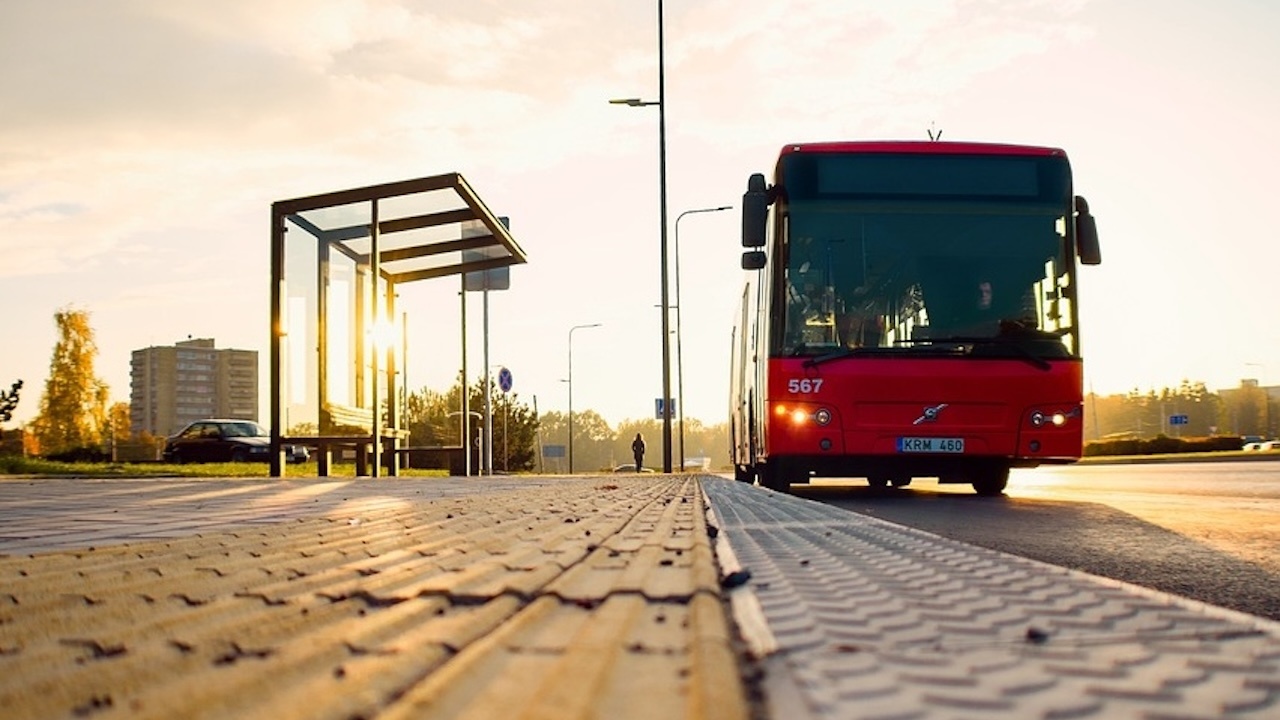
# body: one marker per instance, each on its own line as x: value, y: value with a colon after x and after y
x: 346, y: 427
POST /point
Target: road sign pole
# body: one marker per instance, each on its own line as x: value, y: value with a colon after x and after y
x: 487, y: 459
x: 505, y: 384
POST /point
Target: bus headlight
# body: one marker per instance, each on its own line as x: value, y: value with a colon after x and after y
x: 802, y: 415
x: 1055, y: 419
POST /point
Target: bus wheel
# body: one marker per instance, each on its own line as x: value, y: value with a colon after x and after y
x: 899, y: 482
x: 991, y: 481
x: 773, y: 478
x: 878, y: 481
x: 742, y: 474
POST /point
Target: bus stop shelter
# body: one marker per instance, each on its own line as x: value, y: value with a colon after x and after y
x: 336, y: 262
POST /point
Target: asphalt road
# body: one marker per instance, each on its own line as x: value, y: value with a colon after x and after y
x: 1206, y: 531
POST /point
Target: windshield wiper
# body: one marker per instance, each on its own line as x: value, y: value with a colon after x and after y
x: 838, y: 354
x: 1004, y: 342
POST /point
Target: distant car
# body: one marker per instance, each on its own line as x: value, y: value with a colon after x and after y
x: 1270, y: 445
x: 218, y: 440
x: 1253, y: 446
x: 630, y: 468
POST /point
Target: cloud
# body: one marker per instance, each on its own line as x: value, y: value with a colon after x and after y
x: 121, y: 104
x: 177, y: 110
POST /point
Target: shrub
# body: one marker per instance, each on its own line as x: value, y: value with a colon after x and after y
x: 1161, y: 445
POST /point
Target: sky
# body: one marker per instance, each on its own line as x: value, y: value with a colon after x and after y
x: 142, y: 143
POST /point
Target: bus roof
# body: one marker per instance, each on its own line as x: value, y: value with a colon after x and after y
x: 922, y: 147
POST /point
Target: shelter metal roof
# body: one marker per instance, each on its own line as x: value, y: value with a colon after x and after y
x: 428, y: 227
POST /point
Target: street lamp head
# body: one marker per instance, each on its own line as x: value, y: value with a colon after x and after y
x: 634, y: 102
x: 700, y: 210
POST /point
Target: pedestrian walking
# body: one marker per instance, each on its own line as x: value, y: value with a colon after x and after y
x: 637, y: 449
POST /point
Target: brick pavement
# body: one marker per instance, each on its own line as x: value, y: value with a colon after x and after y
x: 396, y: 598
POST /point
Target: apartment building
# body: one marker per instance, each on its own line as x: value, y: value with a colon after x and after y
x: 191, y: 380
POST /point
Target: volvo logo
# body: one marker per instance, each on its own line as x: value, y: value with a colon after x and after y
x: 930, y: 413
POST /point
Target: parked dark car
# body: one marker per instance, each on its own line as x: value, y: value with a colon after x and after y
x: 219, y: 440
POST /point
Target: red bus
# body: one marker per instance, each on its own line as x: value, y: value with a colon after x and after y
x: 910, y: 310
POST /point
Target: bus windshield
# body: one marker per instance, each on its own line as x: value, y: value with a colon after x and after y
x: 911, y: 252
x: 909, y: 274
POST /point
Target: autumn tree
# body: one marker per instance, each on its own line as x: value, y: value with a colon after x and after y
x: 73, y: 409
x: 119, y: 424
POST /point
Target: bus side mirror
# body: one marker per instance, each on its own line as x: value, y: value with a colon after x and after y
x: 755, y: 211
x: 753, y: 260
x: 1087, y: 234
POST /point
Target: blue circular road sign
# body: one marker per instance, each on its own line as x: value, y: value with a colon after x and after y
x: 504, y: 380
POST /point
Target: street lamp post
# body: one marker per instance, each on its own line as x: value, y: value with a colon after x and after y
x: 662, y: 190
x: 679, y: 352
x: 575, y: 327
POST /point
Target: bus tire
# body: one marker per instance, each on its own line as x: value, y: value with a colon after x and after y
x: 743, y: 474
x: 773, y: 478
x: 990, y: 482
x: 878, y: 482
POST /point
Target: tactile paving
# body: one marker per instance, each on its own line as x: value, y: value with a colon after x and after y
x: 876, y: 620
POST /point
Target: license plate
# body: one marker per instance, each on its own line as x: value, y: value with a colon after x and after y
x: 930, y: 445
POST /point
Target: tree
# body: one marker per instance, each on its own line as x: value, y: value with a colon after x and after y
x: 1248, y: 410
x: 1144, y: 413
x: 73, y: 409
x: 1201, y: 407
x: 9, y: 401
x: 709, y: 441
x: 427, y: 417
x: 118, y: 422
x: 431, y: 418
x: 591, y: 438
x: 515, y: 434
x: 592, y: 441
x: 1147, y: 415
x: 650, y: 430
